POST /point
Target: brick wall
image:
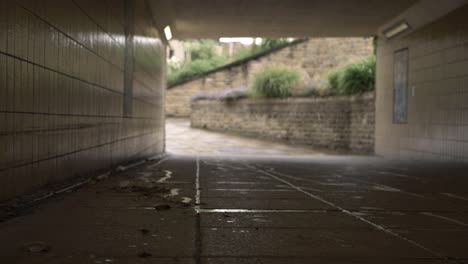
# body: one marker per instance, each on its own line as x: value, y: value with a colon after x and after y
x: 77, y: 94
x: 437, y: 125
x: 337, y: 122
x: 313, y: 59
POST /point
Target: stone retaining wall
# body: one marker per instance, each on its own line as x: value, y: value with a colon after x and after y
x: 345, y: 123
x: 313, y: 59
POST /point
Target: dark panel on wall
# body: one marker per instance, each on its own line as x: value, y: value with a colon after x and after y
x: 400, y: 87
x: 62, y: 90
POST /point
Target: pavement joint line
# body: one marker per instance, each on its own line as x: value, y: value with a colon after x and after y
x: 396, y: 174
x: 389, y: 188
x: 445, y: 218
x: 321, y: 257
x: 273, y: 228
x: 392, y: 189
x: 227, y: 182
x: 389, y: 211
x: 455, y: 196
x: 197, y: 186
x: 198, y: 238
x: 122, y: 168
x: 253, y: 190
x: 378, y: 227
x: 152, y: 166
x: 368, y: 182
x: 51, y: 194
x: 264, y: 211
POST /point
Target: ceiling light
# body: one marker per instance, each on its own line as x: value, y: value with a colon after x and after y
x: 396, y: 29
x: 168, y: 32
x: 245, y: 41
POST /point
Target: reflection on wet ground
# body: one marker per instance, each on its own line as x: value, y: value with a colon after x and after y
x: 181, y: 139
x: 315, y: 209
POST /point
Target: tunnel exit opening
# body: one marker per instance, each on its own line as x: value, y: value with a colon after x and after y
x: 307, y: 96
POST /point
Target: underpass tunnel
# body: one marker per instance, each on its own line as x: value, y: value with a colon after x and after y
x: 82, y: 98
x: 83, y: 83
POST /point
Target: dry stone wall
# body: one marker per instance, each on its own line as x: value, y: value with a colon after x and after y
x: 345, y: 123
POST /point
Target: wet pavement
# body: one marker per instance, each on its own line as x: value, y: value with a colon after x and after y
x: 183, y: 140
x: 316, y: 209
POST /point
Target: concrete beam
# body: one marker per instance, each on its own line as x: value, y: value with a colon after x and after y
x: 275, y: 18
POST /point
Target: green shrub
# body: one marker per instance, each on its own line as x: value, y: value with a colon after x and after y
x: 267, y: 44
x: 272, y: 43
x: 244, y: 52
x: 203, y: 49
x: 275, y: 82
x: 353, y: 78
x: 333, y: 81
x: 192, y: 69
x: 203, y: 58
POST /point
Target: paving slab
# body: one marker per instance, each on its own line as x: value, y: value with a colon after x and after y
x: 305, y: 243
x: 251, y: 203
x: 93, y: 259
x: 447, y: 242
x: 283, y: 219
x: 252, y: 210
x: 320, y: 260
x: 415, y: 220
x: 259, y: 194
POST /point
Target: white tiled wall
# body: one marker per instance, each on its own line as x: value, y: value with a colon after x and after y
x: 437, y: 126
x: 62, y: 67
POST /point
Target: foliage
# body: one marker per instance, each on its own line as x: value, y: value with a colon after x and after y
x: 267, y: 44
x: 315, y: 88
x: 271, y: 43
x: 244, y: 52
x: 192, y: 69
x: 275, y: 82
x: 353, y: 78
x: 173, y: 66
x: 203, y: 59
x: 203, y: 49
x: 225, y: 95
x: 310, y: 92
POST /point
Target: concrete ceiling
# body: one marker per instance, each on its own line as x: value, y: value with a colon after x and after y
x: 275, y: 18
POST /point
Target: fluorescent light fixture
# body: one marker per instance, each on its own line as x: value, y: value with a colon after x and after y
x: 245, y: 41
x: 168, y: 32
x: 396, y: 29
